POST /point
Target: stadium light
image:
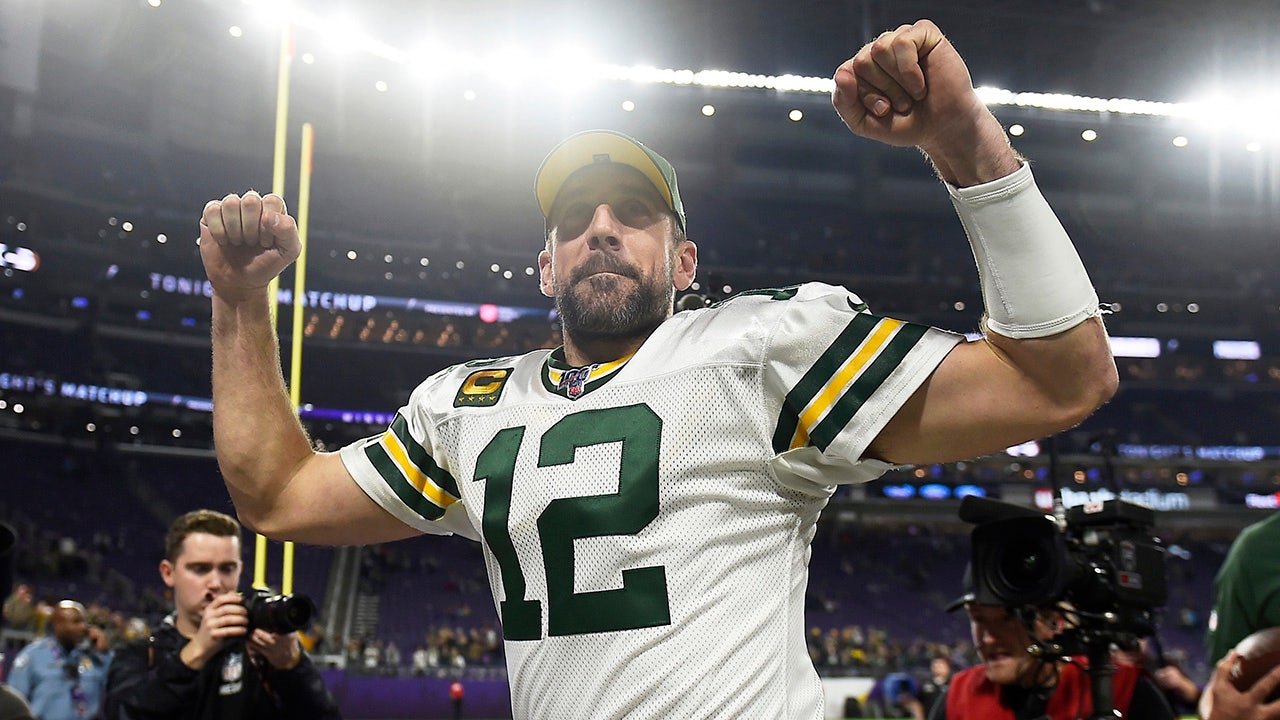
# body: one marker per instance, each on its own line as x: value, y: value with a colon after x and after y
x: 567, y: 69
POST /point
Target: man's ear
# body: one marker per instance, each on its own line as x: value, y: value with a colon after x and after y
x: 166, y: 572
x: 686, y: 265
x: 546, y: 281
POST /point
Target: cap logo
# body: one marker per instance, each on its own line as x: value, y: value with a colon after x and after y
x: 601, y: 158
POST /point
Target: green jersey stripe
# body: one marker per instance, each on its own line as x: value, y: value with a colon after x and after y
x: 819, y: 374
x: 852, y: 400
x: 422, y: 460
x: 403, y: 489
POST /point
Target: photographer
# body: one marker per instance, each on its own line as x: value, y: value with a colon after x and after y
x: 206, y: 661
x: 1014, y: 683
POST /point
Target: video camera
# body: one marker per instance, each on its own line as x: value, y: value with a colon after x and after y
x: 1105, y: 562
x: 278, y: 614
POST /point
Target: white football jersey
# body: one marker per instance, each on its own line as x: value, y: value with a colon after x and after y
x: 647, y: 522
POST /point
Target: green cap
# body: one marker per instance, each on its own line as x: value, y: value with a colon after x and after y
x: 602, y: 146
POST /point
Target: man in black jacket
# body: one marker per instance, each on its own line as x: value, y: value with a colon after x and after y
x: 203, y: 663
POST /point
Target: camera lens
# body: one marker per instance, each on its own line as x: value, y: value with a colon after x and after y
x: 295, y: 613
x: 1023, y: 569
x: 280, y: 613
x: 1020, y: 561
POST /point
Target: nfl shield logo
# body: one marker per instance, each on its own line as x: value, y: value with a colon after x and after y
x: 233, y: 668
x: 574, y: 381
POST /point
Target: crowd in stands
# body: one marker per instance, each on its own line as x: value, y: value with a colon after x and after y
x: 443, y: 651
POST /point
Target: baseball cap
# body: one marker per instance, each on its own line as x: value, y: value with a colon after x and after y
x: 971, y: 594
x: 602, y: 146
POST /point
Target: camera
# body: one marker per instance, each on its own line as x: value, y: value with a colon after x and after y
x: 1104, y: 562
x: 278, y: 614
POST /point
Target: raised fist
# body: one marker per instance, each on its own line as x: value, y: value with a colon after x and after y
x: 245, y: 242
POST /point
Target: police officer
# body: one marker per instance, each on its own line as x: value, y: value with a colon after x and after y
x: 62, y: 676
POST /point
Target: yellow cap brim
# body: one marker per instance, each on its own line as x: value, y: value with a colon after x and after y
x: 597, y: 146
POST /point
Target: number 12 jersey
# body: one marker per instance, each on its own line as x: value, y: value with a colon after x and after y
x: 647, y: 522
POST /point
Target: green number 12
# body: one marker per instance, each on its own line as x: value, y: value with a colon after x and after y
x: 642, y: 599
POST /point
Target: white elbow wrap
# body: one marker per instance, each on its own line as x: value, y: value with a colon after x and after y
x: 1033, y: 283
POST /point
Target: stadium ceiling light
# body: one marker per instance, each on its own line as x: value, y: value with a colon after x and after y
x: 1181, y: 141
x: 708, y: 110
x: 570, y: 69
x: 1016, y: 130
x: 628, y: 106
x: 1079, y: 103
x: 795, y: 115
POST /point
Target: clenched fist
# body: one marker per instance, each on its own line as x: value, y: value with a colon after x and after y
x: 245, y: 242
x: 909, y: 86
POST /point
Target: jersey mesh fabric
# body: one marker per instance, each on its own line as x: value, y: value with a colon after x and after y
x: 667, y: 547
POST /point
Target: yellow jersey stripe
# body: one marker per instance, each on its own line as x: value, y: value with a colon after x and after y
x: 416, y: 477
x: 830, y: 393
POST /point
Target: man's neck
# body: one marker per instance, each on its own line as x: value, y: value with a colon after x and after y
x: 579, y: 352
x: 185, y: 626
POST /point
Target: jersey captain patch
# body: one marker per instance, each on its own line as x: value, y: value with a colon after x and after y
x: 482, y: 388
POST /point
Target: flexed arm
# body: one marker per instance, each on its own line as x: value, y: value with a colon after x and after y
x: 1044, y: 363
x: 280, y: 486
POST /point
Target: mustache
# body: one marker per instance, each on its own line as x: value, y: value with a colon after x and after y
x: 603, y: 263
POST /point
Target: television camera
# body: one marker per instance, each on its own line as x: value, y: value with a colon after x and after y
x: 1101, y: 565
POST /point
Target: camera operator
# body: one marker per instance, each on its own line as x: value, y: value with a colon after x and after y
x: 206, y: 661
x: 1015, y: 683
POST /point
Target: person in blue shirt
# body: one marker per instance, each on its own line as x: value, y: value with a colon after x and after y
x: 62, y: 676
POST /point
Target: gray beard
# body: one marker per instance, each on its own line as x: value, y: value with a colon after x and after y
x: 588, y: 315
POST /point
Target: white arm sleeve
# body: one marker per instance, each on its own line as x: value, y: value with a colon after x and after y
x: 1033, y: 283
